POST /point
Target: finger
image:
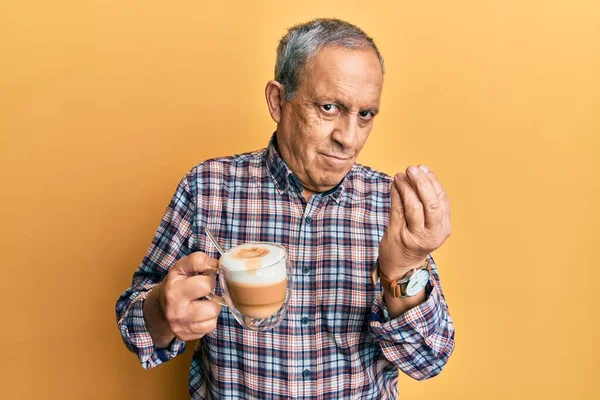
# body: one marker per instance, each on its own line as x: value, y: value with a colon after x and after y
x: 446, y: 222
x: 439, y: 189
x: 194, y: 330
x: 198, y: 263
x: 196, y: 286
x: 203, y: 316
x: 204, y: 327
x: 444, y: 200
x: 447, y: 225
x: 203, y: 310
x: 432, y: 207
x: 413, y: 209
x: 397, y: 208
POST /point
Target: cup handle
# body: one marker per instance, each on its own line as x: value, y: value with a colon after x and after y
x: 214, y: 297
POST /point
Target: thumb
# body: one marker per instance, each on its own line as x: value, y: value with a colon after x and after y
x: 197, y: 263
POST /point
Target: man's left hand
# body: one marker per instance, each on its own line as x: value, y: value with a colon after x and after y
x: 419, y: 221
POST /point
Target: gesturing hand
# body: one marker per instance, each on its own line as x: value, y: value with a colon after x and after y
x: 180, y: 312
x: 419, y: 221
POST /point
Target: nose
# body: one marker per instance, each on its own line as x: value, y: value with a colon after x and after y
x: 345, y: 133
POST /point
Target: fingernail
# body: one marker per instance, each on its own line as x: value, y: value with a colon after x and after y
x: 413, y: 170
x: 424, y: 168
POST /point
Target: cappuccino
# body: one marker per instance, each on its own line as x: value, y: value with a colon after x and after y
x: 256, y: 278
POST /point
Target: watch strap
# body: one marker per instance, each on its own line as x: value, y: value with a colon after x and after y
x: 396, y: 289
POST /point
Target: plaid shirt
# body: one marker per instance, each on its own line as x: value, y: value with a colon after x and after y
x: 337, y: 340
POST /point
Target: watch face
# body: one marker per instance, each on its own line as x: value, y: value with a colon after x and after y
x: 417, y: 282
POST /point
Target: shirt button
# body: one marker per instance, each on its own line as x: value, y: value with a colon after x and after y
x: 306, y: 269
x: 308, y: 220
x: 306, y: 374
x: 304, y: 320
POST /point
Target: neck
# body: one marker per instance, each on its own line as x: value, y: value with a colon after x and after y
x: 307, y: 194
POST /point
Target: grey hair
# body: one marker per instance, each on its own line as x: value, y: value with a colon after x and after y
x: 304, y: 41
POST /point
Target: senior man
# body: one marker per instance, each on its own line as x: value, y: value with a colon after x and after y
x: 346, y: 332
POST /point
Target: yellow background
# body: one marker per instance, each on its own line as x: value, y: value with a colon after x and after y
x: 105, y: 105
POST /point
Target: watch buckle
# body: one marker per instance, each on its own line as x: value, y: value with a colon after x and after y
x: 395, y: 289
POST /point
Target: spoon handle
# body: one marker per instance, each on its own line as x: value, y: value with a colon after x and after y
x: 214, y: 241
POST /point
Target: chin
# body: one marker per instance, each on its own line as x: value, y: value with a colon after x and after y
x: 330, y: 183
x: 326, y: 179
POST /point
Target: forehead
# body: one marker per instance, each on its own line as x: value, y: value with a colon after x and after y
x: 344, y: 74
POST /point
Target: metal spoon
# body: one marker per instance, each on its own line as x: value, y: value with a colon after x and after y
x: 214, y: 241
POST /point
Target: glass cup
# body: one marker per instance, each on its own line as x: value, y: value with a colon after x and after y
x: 255, y: 279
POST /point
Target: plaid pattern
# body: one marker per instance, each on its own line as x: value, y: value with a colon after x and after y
x: 337, y: 340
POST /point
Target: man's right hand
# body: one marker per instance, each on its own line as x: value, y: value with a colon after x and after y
x: 173, y: 309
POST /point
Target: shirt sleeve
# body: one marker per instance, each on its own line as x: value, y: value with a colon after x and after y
x: 173, y: 240
x: 421, y: 340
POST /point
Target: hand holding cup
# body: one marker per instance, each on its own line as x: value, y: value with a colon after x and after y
x: 181, y: 310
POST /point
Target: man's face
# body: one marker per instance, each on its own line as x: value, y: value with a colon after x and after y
x: 327, y: 122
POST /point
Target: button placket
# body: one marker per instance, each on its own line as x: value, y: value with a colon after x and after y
x: 307, y: 321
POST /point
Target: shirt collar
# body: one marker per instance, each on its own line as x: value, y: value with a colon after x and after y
x: 285, y: 179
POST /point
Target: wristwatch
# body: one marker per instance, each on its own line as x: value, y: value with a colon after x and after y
x: 409, y: 285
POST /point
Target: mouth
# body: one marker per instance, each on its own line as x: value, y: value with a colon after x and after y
x: 336, y: 162
x: 337, y: 158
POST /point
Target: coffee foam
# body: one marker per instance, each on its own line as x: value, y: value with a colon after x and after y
x: 246, y: 263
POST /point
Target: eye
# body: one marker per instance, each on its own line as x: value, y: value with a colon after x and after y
x: 366, y: 115
x: 329, y: 108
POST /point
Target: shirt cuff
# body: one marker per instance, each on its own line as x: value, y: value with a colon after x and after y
x: 414, y: 326
x: 137, y: 338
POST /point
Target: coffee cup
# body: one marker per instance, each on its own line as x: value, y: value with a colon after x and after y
x: 255, y: 281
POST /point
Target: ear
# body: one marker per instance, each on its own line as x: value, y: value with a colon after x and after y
x: 274, y: 94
